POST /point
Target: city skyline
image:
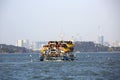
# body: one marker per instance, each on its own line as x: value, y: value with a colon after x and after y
x: 46, y: 20
x: 36, y: 45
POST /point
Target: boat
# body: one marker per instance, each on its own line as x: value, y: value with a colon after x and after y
x: 57, y: 50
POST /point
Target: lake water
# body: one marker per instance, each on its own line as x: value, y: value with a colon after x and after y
x: 88, y: 66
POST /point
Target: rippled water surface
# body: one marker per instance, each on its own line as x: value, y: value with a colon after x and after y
x: 88, y: 66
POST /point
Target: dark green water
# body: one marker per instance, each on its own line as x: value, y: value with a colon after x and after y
x: 88, y: 66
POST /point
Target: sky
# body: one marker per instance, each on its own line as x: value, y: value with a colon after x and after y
x: 44, y: 20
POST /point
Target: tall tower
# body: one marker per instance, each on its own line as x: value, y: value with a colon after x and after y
x: 101, y: 39
x: 100, y: 36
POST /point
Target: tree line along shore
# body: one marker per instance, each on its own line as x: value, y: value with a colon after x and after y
x: 94, y: 47
x: 13, y: 49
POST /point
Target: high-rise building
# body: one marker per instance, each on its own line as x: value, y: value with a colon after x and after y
x: 19, y: 43
x: 101, y: 40
x: 30, y: 45
x: 23, y: 43
x: 37, y: 45
x: 115, y: 44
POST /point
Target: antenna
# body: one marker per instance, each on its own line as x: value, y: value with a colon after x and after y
x: 100, y: 36
x: 73, y: 38
x: 61, y: 36
x: 99, y: 31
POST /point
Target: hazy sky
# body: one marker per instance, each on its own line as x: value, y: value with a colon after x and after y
x: 43, y: 20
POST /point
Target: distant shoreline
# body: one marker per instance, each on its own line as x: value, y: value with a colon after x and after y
x: 79, y: 47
